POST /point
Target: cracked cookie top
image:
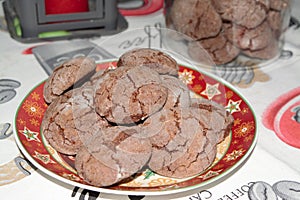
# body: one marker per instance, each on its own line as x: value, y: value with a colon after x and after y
x: 70, y: 120
x: 180, y: 148
x: 129, y: 94
x: 112, y: 157
x: 66, y: 75
x: 152, y: 58
x: 196, y: 18
x: 247, y: 13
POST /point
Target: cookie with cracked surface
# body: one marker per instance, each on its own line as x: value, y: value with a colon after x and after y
x: 217, y: 50
x: 247, y: 13
x: 250, y: 39
x: 152, y: 58
x: 214, y: 117
x: 161, y: 127
x: 70, y: 120
x: 66, y: 75
x: 196, y: 159
x: 127, y: 95
x: 196, y: 18
x: 113, y: 157
x: 180, y: 148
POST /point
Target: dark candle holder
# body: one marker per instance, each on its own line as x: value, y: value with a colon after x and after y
x: 28, y: 21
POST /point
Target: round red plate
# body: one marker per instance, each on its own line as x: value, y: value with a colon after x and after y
x: 231, y: 153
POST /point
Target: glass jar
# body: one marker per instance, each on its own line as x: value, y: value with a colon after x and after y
x: 220, y: 32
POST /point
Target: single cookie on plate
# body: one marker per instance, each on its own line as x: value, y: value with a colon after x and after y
x: 66, y: 75
x: 180, y: 148
x: 184, y: 139
x: 112, y: 157
x: 70, y: 120
x: 152, y: 58
x: 127, y: 95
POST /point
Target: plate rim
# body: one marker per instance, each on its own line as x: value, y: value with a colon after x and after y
x: 142, y: 192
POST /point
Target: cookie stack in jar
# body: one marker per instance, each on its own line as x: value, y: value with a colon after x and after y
x: 222, y: 31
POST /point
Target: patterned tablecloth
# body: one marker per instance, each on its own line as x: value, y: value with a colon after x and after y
x: 271, y: 170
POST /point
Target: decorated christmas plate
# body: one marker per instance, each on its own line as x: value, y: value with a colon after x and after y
x: 232, y: 152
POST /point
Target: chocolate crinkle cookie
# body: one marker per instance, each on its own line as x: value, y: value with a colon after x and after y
x: 247, y: 13
x: 66, y: 75
x: 112, y: 157
x: 129, y: 94
x: 184, y: 138
x: 180, y: 146
x: 152, y: 58
x: 70, y: 120
x: 217, y: 32
x: 139, y: 115
x: 214, y: 117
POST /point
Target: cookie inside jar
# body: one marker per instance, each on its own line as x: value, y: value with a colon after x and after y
x: 137, y: 116
x: 222, y: 32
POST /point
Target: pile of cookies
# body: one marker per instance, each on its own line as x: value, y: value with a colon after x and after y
x: 222, y: 30
x: 116, y: 122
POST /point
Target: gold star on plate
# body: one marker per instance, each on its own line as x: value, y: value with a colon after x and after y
x: 245, y: 111
x: 21, y: 121
x: 234, y: 155
x: 210, y: 174
x: 244, y: 129
x: 33, y: 109
x: 186, y: 76
x: 35, y: 96
x: 71, y: 177
x: 34, y: 122
x: 237, y: 121
x: 211, y: 90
